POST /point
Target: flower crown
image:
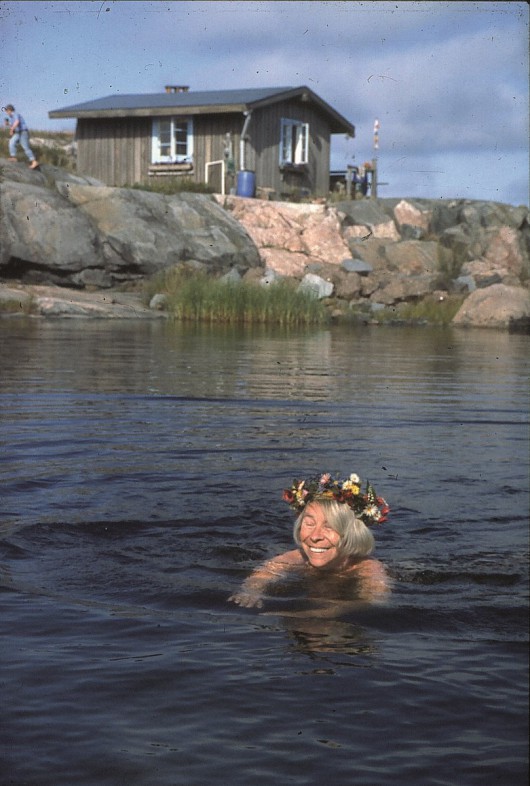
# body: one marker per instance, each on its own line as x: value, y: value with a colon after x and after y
x: 368, y: 506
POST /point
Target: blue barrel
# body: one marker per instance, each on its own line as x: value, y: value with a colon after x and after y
x: 246, y: 183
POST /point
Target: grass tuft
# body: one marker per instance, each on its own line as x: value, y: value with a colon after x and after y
x: 430, y: 310
x: 197, y: 297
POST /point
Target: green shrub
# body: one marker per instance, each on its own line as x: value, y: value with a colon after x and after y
x: 17, y: 305
x: 174, y: 185
x: 198, y: 297
x: 430, y: 310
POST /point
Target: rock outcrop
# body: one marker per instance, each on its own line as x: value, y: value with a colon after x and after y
x: 62, y: 229
x: 59, y: 228
x: 495, y: 306
x: 399, y: 250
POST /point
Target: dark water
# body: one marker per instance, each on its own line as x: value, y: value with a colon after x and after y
x: 141, y: 473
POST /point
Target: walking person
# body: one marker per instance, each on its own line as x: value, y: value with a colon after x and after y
x: 19, y: 135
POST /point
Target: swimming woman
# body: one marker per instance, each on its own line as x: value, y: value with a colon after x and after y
x: 332, y: 536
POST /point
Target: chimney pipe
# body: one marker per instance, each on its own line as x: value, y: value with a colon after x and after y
x: 177, y: 88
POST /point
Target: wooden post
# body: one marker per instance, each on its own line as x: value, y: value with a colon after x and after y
x: 349, y: 181
x: 373, y: 190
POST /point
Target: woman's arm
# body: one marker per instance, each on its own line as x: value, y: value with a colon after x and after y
x: 373, y: 586
x: 251, y: 591
x: 374, y: 583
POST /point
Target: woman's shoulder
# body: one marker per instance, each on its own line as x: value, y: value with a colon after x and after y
x: 288, y: 559
x: 374, y: 578
x: 369, y: 568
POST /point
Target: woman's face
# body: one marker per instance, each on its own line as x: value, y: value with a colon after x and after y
x: 318, y: 540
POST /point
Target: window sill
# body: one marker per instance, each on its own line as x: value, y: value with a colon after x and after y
x: 169, y: 169
x: 297, y: 169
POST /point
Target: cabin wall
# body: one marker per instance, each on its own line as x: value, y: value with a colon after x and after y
x: 264, y: 133
x: 117, y: 151
x: 114, y: 150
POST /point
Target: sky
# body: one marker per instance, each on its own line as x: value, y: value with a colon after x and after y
x: 448, y: 81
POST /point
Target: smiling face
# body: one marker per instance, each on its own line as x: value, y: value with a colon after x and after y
x: 319, y: 542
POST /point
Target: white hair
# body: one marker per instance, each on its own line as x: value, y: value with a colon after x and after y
x: 356, y: 540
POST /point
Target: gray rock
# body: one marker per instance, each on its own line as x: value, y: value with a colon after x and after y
x: 158, y: 302
x: 43, y: 232
x: 464, y: 284
x: 232, y: 277
x: 316, y: 286
x: 56, y: 228
x: 412, y: 257
x: 409, y: 232
x: 270, y: 277
x: 365, y: 212
x: 406, y: 289
x: 356, y: 266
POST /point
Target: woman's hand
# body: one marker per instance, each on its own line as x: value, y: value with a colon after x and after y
x: 247, y: 599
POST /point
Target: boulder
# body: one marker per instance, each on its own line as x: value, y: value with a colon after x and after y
x: 321, y: 237
x: 66, y: 231
x: 484, y: 274
x: 464, y: 284
x: 371, y: 251
x: 149, y: 232
x: 285, y: 263
x: 412, y: 216
x: 505, y: 249
x: 356, y: 266
x: 412, y: 257
x: 316, y: 286
x: 43, y: 237
x: 494, y: 307
x: 405, y: 288
x: 313, y: 230
x: 367, y: 218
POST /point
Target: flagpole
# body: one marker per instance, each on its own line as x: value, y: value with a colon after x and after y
x: 373, y: 190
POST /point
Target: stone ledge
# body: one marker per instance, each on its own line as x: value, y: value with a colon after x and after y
x: 52, y: 301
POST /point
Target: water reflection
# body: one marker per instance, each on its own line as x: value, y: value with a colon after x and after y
x: 341, y: 365
x: 328, y: 637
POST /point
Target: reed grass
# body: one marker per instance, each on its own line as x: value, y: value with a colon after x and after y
x: 431, y: 311
x: 198, y: 297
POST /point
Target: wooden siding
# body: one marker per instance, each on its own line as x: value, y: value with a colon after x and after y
x: 209, y: 133
x: 118, y: 150
x: 264, y: 130
x: 115, y: 151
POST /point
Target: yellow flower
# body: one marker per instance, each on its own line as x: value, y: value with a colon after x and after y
x: 352, y: 485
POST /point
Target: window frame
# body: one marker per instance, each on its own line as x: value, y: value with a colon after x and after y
x: 156, y: 145
x: 294, y: 142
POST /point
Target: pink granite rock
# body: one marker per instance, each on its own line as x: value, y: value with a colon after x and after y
x: 494, y: 307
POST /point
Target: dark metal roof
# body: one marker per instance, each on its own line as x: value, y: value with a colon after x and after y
x: 200, y: 102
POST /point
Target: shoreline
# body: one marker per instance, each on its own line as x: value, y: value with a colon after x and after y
x: 44, y: 301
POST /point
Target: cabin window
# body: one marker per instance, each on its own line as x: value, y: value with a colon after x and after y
x: 294, y: 142
x: 172, y: 141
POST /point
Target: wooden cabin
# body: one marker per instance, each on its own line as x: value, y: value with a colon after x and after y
x: 272, y: 141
